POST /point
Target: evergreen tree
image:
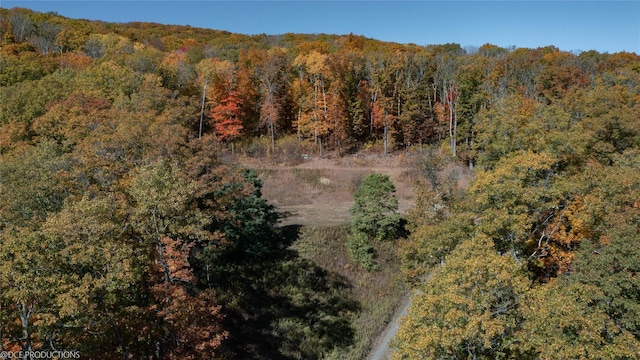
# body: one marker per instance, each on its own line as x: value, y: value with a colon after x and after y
x: 374, y: 217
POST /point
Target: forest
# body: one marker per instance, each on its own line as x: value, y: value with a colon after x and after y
x: 130, y: 230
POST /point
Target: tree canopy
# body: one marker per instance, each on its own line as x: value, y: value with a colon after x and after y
x: 127, y: 230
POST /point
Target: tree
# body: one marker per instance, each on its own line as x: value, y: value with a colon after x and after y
x: 228, y: 118
x: 92, y: 273
x: 515, y: 198
x: 445, y: 89
x: 249, y: 222
x: 374, y: 211
x: 23, y: 102
x: 270, y: 75
x: 30, y: 184
x: 385, y: 88
x: 63, y: 262
x: 609, y: 256
x: 566, y: 320
x: 430, y: 244
x: 44, y: 37
x: 472, y: 98
x: 110, y: 80
x: 21, y: 25
x: 416, y: 113
x: 373, y: 217
x: 166, y: 217
x: 177, y: 74
x: 468, y: 309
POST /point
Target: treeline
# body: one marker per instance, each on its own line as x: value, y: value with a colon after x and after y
x: 338, y: 91
x: 120, y: 227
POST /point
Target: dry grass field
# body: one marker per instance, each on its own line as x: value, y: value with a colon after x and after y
x: 319, y: 192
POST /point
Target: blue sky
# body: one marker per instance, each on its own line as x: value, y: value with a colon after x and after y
x: 605, y: 26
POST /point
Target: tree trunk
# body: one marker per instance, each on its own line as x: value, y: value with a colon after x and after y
x: 386, y: 133
x: 25, y: 316
x: 273, y: 137
x: 299, y: 119
x: 204, y: 95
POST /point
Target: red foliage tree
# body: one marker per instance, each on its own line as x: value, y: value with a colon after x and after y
x: 227, y: 117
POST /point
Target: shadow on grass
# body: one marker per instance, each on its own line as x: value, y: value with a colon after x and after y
x: 282, y: 306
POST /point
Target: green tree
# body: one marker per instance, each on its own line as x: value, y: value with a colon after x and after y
x: 360, y: 250
x: 374, y: 211
x: 373, y: 217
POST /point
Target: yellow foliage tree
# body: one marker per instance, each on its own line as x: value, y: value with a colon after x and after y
x: 468, y: 309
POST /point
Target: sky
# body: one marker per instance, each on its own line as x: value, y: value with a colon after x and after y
x: 604, y: 26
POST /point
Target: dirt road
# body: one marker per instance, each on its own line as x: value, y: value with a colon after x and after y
x: 380, y: 349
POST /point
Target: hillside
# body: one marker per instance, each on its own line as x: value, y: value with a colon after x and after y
x: 174, y: 192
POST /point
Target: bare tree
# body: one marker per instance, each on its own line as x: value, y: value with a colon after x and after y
x: 270, y: 74
x: 22, y: 26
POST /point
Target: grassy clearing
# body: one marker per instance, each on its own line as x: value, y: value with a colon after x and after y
x: 377, y: 293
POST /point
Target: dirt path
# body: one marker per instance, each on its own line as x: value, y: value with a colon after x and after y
x: 380, y: 348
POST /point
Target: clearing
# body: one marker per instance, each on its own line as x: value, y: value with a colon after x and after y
x: 316, y: 194
x: 319, y: 191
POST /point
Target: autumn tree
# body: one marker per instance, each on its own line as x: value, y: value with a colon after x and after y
x: 566, y: 321
x: 344, y: 76
x: 607, y: 257
x: 227, y: 115
x: 169, y: 223
x: 30, y: 190
x: 313, y: 107
x: 514, y: 197
x: 22, y: 25
x: 270, y: 73
x: 385, y: 87
x: 94, y: 275
x: 44, y: 37
x: 561, y: 73
x: 110, y: 80
x: 177, y: 74
x: 221, y: 94
x: 416, y: 113
x: 472, y: 98
x: 468, y: 309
